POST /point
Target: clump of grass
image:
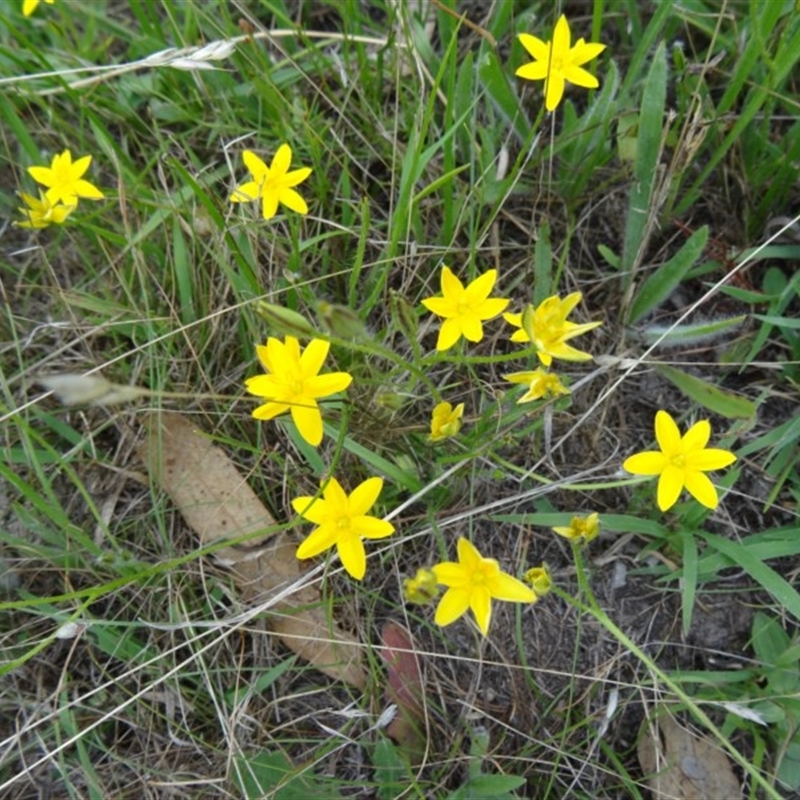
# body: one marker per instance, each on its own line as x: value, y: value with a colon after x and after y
x: 664, y: 197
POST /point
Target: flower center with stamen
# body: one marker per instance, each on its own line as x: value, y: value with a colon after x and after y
x: 463, y: 307
x: 480, y: 576
x: 297, y: 387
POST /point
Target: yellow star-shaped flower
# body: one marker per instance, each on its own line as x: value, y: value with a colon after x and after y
x: 581, y: 530
x: 41, y: 212
x: 64, y: 179
x: 293, y: 383
x: 473, y: 582
x: 548, y: 328
x: 422, y: 588
x: 272, y: 184
x: 445, y: 421
x: 681, y: 463
x: 464, y: 309
x: 342, y: 522
x: 540, y: 384
x: 558, y: 62
x: 539, y: 579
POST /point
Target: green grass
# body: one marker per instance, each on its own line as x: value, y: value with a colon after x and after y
x: 658, y: 196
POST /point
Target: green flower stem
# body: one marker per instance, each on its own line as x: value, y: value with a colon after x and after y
x: 589, y: 605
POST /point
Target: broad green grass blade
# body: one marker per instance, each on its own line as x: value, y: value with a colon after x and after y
x: 649, y: 144
x: 709, y: 396
x: 691, y: 334
x: 765, y: 576
x: 667, y: 277
x: 494, y: 76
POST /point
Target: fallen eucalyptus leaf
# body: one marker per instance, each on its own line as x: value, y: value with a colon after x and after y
x: 678, y: 765
x: 217, y: 503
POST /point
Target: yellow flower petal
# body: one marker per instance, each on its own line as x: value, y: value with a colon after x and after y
x: 336, y: 497
x: 537, y: 49
x: 554, y: 90
x: 506, y: 587
x: 281, y: 160
x: 449, y: 334
x: 710, y: 459
x: 670, y: 485
x: 364, y: 496
x: 353, y: 556
x: 696, y: 438
x: 471, y: 328
x: 700, y: 487
x: 269, y: 205
x: 318, y: 541
x: 453, y: 604
x: 293, y: 201
x: 255, y: 166
x: 245, y: 192
x: 449, y: 573
x: 580, y: 77
x: 440, y: 306
x: 313, y: 357
x: 667, y: 434
x: 270, y: 410
x: 313, y: 509
x: 451, y: 285
x: 372, y: 528
x: 480, y: 602
x: 479, y: 289
x: 307, y: 420
x: 650, y: 462
x: 297, y: 176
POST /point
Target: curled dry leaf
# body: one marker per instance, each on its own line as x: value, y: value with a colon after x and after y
x: 678, y: 765
x: 73, y: 389
x: 217, y: 503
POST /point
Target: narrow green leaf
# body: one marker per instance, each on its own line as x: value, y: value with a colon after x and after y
x: 776, y: 543
x: 181, y: 264
x: 493, y: 75
x: 393, y: 472
x: 441, y: 181
x: 689, y: 582
x: 714, y: 399
x: 779, y: 322
x: 690, y: 334
x: 648, y: 155
x: 770, y: 643
x: 668, y: 276
x: 262, y: 682
x: 542, y: 265
x: 765, y: 576
x: 609, y: 256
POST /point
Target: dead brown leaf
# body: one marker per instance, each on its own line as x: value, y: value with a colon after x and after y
x: 679, y: 765
x: 404, y: 687
x: 217, y: 503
